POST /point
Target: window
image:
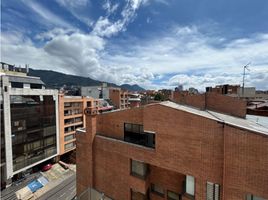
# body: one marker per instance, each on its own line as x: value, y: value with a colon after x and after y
x: 68, y: 137
x: 134, y: 133
x: 190, y: 185
x: 139, y: 169
x: 252, y: 197
x: 173, y: 196
x: 138, y: 196
x: 69, y: 146
x: 158, y: 190
x: 35, y: 86
x: 16, y: 85
x: 213, y: 191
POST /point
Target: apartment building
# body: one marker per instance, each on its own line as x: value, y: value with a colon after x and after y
x: 119, y: 98
x: 172, y: 151
x: 29, y: 122
x: 71, y: 115
x: 116, y: 96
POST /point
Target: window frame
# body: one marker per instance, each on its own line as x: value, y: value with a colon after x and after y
x: 170, y: 198
x: 156, y: 192
x: 143, y: 177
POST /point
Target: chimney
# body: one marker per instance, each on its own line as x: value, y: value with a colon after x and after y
x: 84, y: 152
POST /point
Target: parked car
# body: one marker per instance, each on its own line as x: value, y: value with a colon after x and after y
x: 46, y: 167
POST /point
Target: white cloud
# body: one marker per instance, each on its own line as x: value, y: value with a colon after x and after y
x: 104, y: 27
x: 48, y: 16
x: 79, y: 9
x: 109, y: 7
x: 190, y: 56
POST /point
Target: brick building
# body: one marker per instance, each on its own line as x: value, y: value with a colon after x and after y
x: 119, y: 98
x: 172, y: 151
x: 71, y: 117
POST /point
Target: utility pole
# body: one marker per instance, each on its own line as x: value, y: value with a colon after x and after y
x: 246, y: 67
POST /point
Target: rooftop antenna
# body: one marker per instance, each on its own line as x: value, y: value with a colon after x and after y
x: 246, y: 67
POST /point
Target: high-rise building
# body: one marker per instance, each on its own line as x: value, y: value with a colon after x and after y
x: 29, y: 122
x: 173, y: 152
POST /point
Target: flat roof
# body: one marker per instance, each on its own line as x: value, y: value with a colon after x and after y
x: 246, y: 123
x: 26, y: 79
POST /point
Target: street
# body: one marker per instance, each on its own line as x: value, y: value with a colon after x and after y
x: 64, y: 191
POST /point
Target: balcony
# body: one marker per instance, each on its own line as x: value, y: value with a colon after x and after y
x: 134, y: 133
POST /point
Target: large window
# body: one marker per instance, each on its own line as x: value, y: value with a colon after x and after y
x: 139, y: 169
x: 33, y: 125
x: 213, y: 191
x: 134, y: 133
x: 190, y: 185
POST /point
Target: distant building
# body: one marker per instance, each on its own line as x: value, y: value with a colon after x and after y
x: 193, y: 90
x: 116, y: 96
x: 248, y: 93
x: 134, y: 100
x: 166, y: 93
x: 119, y: 98
x: 71, y: 116
x: 259, y: 108
x: 179, y: 88
x: 96, y: 92
x: 172, y: 151
x: 29, y: 122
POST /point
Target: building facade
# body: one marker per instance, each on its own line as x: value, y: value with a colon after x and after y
x: 171, y: 151
x: 116, y: 96
x: 119, y: 98
x: 134, y: 100
x: 29, y: 122
x: 71, y: 115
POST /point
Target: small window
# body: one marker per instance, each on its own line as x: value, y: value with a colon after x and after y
x: 252, y: 197
x: 35, y: 86
x: 69, y: 146
x: 213, y: 191
x: 158, y: 190
x: 173, y: 196
x: 137, y: 195
x: 16, y: 85
x: 68, y: 137
x: 190, y: 185
x: 139, y: 169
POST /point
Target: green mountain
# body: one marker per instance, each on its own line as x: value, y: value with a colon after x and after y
x: 54, y: 79
x: 132, y: 87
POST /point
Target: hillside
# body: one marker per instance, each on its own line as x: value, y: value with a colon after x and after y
x: 55, y: 79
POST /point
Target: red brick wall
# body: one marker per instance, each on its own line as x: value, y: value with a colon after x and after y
x: 185, y: 144
x: 226, y: 104
x: 213, y: 101
x: 110, y: 124
x: 246, y: 164
x: 197, y: 100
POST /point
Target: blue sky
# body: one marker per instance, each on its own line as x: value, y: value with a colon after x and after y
x: 153, y: 43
